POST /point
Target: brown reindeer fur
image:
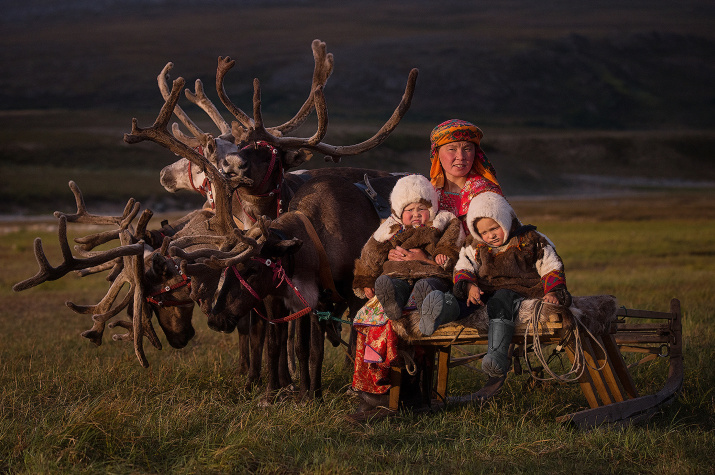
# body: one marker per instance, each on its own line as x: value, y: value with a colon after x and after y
x: 344, y: 219
x: 595, y: 312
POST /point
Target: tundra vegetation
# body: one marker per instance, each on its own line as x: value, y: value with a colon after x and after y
x: 568, y: 107
x: 67, y: 405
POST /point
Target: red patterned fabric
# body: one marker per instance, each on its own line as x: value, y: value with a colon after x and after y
x: 381, y: 343
x: 553, y: 279
x: 458, y: 203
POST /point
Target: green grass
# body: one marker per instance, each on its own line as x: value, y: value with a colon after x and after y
x: 67, y: 406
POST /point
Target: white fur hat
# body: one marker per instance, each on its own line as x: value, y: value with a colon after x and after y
x: 413, y: 189
x: 490, y: 205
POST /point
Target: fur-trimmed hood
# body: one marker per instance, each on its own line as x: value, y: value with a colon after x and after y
x: 413, y: 189
x: 494, y: 206
x: 391, y: 225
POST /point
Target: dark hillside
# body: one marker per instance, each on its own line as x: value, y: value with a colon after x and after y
x: 574, y: 97
x: 648, y: 65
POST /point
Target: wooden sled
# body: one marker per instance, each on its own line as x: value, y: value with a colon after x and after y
x: 606, y: 381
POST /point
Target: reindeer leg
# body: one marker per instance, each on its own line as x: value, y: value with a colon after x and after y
x: 244, y: 353
x: 272, y: 355
x: 275, y: 351
x: 243, y: 328
x: 302, y: 349
x: 317, y: 353
x: 284, y: 377
x: 257, y: 337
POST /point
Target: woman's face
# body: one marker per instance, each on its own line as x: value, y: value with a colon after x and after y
x: 457, y: 158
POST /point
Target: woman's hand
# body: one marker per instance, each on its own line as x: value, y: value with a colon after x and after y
x: 369, y: 292
x: 474, y: 295
x: 401, y: 254
x: 441, y: 259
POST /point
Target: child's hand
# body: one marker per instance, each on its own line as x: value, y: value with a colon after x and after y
x: 474, y: 295
x: 369, y: 292
x: 551, y: 298
x: 441, y: 259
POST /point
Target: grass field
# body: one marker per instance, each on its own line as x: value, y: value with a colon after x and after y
x: 66, y: 406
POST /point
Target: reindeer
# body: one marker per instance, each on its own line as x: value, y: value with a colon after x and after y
x: 264, y: 154
x: 129, y: 261
x: 305, y: 262
x: 156, y: 284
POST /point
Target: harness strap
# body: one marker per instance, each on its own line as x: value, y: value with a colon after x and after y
x: 205, y: 189
x: 326, y: 277
x: 280, y: 275
x: 185, y: 281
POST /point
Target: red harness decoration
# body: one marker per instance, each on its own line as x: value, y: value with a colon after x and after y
x: 279, y: 274
x: 161, y: 302
x: 205, y: 188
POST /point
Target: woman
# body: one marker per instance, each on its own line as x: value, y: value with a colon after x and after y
x: 460, y: 171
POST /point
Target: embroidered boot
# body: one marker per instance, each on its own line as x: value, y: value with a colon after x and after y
x: 438, y: 308
x: 392, y: 295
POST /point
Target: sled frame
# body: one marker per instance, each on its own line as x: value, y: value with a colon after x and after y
x: 611, y: 394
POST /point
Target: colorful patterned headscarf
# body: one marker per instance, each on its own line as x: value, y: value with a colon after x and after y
x: 455, y: 130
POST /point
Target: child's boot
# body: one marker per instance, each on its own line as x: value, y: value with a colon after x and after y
x: 502, y: 309
x: 392, y: 295
x: 496, y: 362
x: 422, y: 289
x: 438, y: 308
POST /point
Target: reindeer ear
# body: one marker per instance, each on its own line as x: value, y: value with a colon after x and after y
x: 156, y: 268
x: 293, y: 158
x: 281, y: 248
x: 209, y: 145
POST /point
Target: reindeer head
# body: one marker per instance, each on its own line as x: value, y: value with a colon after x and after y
x: 131, y: 263
x: 168, y: 291
x: 248, y: 282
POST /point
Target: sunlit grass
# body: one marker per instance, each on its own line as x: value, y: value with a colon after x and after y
x: 67, y: 406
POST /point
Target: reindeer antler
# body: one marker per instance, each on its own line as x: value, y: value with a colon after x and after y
x: 159, y: 134
x: 48, y: 273
x: 200, y: 99
x: 254, y: 130
x: 234, y: 248
x: 321, y: 72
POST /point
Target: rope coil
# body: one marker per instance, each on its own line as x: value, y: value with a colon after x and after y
x: 579, y: 364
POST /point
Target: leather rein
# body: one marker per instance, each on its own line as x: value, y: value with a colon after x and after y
x: 205, y: 188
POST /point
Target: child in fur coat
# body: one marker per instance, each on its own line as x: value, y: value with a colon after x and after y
x: 502, y: 263
x: 429, y: 241
x: 415, y: 224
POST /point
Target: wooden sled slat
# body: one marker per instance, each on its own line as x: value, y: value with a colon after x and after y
x: 625, y: 378
x: 641, y: 408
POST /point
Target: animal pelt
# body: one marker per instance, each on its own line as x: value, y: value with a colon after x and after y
x: 595, y: 312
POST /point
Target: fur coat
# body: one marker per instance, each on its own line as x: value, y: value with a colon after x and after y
x: 526, y: 263
x: 443, y: 235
